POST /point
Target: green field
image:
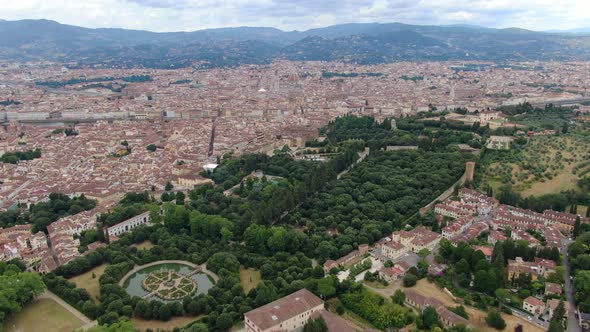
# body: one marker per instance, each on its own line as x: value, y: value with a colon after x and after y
x: 249, y: 278
x: 144, y: 245
x: 86, y: 281
x: 42, y: 315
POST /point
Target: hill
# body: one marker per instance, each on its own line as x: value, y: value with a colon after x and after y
x: 363, y: 43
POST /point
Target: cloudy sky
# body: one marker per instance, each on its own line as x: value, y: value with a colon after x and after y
x: 188, y: 15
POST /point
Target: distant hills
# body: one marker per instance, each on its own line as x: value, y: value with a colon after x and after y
x: 364, y: 43
x: 577, y: 31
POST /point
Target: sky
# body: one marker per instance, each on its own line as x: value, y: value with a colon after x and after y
x: 190, y: 15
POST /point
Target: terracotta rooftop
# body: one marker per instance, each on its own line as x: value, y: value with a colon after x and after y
x: 283, y: 309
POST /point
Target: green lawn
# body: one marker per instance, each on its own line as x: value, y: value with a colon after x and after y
x: 249, y: 278
x: 144, y: 245
x: 86, y: 281
x: 42, y: 315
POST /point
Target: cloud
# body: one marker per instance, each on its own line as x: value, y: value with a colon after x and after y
x: 187, y: 15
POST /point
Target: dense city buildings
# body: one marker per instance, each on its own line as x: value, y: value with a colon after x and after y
x: 191, y: 118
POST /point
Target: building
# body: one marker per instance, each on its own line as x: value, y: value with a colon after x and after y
x: 499, y: 142
x: 552, y: 305
x: 351, y: 257
x: 486, y: 116
x: 393, y: 249
x: 435, y: 269
x: 538, y: 268
x: 454, y: 209
x: 553, y: 289
x: 129, y: 224
x: 496, y: 236
x: 533, y: 305
x: 449, y: 318
x: 285, y: 314
x: 486, y: 250
x: 395, y: 272
x: 469, y: 171
x: 584, y: 321
x: 420, y: 302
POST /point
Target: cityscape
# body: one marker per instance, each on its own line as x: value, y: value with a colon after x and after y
x: 354, y: 177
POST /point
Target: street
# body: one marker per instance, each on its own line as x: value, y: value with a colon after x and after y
x: 572, y: 322
x: 527, y: 316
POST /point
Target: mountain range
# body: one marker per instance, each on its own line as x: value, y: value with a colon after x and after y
x: 364, y: 43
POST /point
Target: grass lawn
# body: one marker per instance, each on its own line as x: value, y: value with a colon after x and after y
x: 42, y: 315
x: 156, y: 325
x: 581, y: 209
x: 144, y: 245
x: 86, y: 281
x: 385, y: 291
x: 476, y: 316
x: 249, y: 278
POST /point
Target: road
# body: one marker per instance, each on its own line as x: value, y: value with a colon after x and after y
x: 527, y: 316
x: 362, y: 155
x: 572, y: 322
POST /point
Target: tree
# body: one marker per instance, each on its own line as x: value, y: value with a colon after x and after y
x: 429, y: 318
x: 265, y: 294
x: 556, y: 323
x: 223, y: 260
x: 316, y: 325
x: 224, y: 322
x: 423, y: 252
x: 398, y: 297
x: 460, y: 310
x: 495, y: 320
x: 180, y: 196
x: 196, y: 327
x: 555, y: 326
x: 168, y: 186
x: 151, y: 148
x: 410, y: 280
x: 508, y: 196
x: 17, y: 288
x: 577, y: 227
x: 326, y: 287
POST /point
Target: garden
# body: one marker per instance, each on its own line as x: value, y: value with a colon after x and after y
x: 169, y: 285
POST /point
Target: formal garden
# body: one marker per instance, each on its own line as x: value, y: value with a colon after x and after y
x: 166, y: 281
x: 169, y: 285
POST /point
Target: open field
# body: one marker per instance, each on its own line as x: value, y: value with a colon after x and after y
x: 476, y: 316
x: 249, y: 278
x: 385, y: 291
x: 156, y: 325
x: 48, y: 313
x: 144, y: 245
x: 546, y: 164
x: 86, y: 281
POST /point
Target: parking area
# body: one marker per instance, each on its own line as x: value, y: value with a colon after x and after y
x: 409, y: 258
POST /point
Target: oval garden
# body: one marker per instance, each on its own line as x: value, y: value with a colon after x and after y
x: 167, y: 281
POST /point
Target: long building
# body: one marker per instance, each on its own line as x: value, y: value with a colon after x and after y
x: 127, y: 225
x: 285, y: 314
